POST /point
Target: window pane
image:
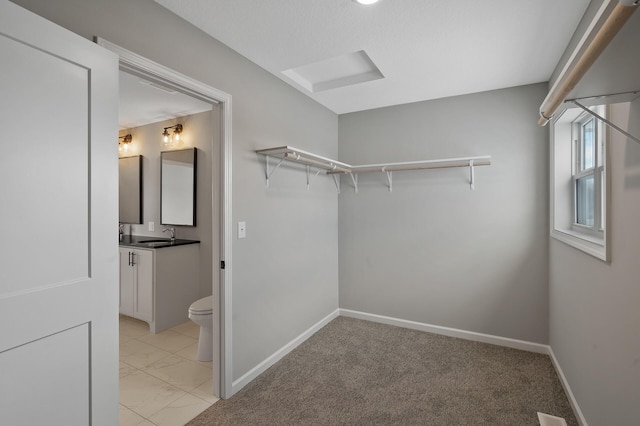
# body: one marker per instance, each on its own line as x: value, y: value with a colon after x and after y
x: 588, y: 144
x: 584, y: 201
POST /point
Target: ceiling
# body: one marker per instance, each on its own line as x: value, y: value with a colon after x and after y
x: 142, y: 102
x: 351, y: 57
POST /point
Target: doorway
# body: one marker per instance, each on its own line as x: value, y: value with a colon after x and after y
x: 152, y: 72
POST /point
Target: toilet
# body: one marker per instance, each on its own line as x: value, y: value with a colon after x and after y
x: 201, y: 312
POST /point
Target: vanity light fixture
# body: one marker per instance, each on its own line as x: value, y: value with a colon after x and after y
x: 124, y: 144
x: 366, y: 2
x: 167, y: 138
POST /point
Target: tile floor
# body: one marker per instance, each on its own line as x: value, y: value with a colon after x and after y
x: 161, y: 381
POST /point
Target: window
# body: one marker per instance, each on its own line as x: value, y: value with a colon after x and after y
x: 588, y: 175
x: 579, y: 177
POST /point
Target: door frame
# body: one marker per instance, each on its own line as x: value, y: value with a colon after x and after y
x: 222, y: 344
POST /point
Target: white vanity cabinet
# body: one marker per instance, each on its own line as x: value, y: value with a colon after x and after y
x: 158, y: 285
x: 136, y: 283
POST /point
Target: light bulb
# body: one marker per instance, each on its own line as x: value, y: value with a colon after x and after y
x: 176, y: 137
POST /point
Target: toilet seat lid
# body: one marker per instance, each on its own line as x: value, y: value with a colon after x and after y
x: 202, y: 306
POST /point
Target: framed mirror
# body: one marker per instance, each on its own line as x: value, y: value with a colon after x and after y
x: 130, y: 189
x: 178, y: 187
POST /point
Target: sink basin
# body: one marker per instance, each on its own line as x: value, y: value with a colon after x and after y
x: 154, y: 241
x: 153, y: 245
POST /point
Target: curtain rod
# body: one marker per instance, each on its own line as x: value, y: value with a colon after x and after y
x: 584, y: 56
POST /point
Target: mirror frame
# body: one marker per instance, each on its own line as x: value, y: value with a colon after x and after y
x: 140, y: 189
x: 194, y: 185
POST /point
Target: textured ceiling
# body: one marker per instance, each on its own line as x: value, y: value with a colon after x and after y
x: 425, y: 49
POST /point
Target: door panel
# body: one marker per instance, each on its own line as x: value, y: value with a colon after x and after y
x: 68, y: 350
x: 126, y: 282
x: 50, y: 178
x: 59, y: 254
x: 144, y: 271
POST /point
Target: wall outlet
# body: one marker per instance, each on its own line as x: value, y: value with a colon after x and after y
x: 152, y: 226
x: 242, y: 229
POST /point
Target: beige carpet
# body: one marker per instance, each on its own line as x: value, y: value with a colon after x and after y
x: 355, y: 372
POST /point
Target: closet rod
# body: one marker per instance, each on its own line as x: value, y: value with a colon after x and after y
x: 330, y: 166
x: 586, y: 53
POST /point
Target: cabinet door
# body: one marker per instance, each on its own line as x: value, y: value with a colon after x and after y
x: 126, y: 283
x: 143, y: 292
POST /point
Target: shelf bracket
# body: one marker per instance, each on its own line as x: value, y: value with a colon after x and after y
x: 607, y: 122
x: 389, y: 178
x: 269, y: 174
x: 336, y: 181
x: 472, y: 184
x: 354, y: 179
x: 309, y: 175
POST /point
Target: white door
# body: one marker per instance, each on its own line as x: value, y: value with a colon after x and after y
x: 58, y: 222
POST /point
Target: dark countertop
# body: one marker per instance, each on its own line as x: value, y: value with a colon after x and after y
x: 142, y: 241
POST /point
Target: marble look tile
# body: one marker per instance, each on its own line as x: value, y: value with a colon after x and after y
x: 131, y: 327
x: 126, y: 369
x: 129, y: 418
x: 188, y: 328
x: 124, y: 338
x: 180, y: 411
x: 191, y: 353
x: 182, y: 373
x: 169, y: 341
x: 145, y: 394
x: 205, y: 391
x: 139, y: 354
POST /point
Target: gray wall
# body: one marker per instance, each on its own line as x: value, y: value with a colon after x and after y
x: 595, y: 306
x: 285, y: 272
x: 202, y: 132
x: 432, y: 251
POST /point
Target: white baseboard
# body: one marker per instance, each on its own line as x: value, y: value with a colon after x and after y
x: 567, y: 389
x: 436, y: 329
x: 279, y: 354
x: 451, y: 332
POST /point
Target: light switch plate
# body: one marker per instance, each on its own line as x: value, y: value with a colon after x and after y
x: 242, y: 229
x: 152, y: 226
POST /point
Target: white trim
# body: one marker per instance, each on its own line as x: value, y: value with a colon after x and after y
x: 581, y: 242
x: 451, y: 332
x: 138, y: 65
x: 429, y: 328
x: 599, y: 248
x: 567, y: 389
x: 280, y: 353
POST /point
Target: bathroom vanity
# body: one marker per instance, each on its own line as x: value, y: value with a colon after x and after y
x: 159, y: 280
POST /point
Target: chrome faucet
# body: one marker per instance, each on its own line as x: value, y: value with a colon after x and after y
x: 172, y: 231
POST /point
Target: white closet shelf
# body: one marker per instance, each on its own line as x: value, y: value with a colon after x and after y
x: 484, y: 160
x: 333, y: 167
x: 300, y: 156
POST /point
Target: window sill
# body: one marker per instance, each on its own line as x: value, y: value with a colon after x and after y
x: 587, y: 243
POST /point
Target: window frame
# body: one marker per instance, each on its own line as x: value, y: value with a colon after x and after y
x: 563, y: 183
x: 597, y: 171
